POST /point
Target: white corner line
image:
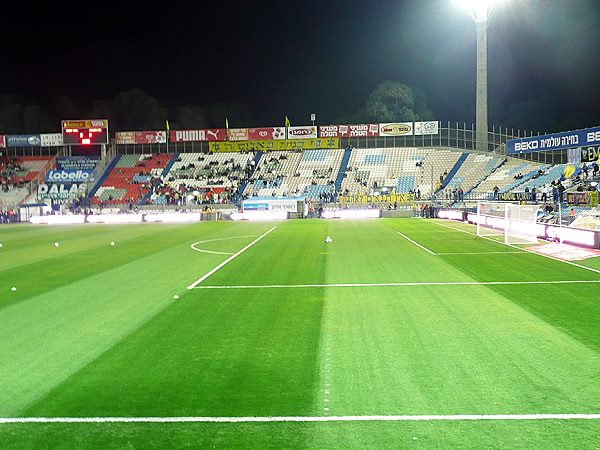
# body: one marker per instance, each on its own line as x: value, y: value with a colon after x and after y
x: 416, y: 243
x: 235, y: 255
x: 233, y: 419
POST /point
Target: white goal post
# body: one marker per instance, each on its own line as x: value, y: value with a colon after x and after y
x: 515, y: 223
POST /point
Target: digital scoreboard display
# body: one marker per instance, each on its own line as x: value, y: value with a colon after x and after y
x: 85, y: 132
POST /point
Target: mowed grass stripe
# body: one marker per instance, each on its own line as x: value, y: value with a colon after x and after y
x: 440, y: 350
x: 573, y: 309
x: 209, y: 354
x: 49, y: 336
x: 552, y: 435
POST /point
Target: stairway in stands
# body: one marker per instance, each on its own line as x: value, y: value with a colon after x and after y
x: 343, y: 167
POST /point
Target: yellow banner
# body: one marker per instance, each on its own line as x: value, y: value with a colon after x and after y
x: 274, y: 145
x: 388, y: 199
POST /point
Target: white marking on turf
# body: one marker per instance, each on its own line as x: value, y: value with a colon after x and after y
x: 374, y: 418
x: 481, y: 253
x: 423, y: 283
x: 416, y: 243
x: 193, y: 246
x: 521, y: 249
x: 235, y: 255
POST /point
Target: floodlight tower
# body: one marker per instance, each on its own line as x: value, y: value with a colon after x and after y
x: 480, y: 11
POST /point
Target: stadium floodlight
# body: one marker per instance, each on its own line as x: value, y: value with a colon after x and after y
x: 480, y: 11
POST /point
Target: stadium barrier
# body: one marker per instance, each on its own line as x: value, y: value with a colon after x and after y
x: 570, y: 235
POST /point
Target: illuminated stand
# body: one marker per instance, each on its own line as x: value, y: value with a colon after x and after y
x: 85, y: 132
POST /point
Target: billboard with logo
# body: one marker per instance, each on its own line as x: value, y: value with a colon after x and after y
x: 302, y: 132
x: 266, y: 133
x: 211, y: 135
x: 51, y: 139
x: 396, y: 129
x: 76, y: 163
x: 23, y: 140
x: 68, y: 176
x: 140, y: 137
x: 345, y: 131
x: 274, y: 145
x: 556, y: 141
x: 60, y: 191
x: 426, y: 128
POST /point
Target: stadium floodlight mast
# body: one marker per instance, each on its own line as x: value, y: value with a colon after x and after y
x: 480, y: 11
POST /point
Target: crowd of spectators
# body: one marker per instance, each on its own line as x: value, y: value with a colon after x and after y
x: 206, y: 183
x: 8, y: 171
x: 8, y: 216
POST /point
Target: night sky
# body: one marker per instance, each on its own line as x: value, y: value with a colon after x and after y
x: 295, y: 58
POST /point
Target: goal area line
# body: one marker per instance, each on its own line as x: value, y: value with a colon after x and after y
x: 374, y: 418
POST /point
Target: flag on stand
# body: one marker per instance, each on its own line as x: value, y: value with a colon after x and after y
x: 287, y: 122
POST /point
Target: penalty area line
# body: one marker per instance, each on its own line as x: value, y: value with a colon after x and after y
x: 235, y: 255
x: 416, y: 243
x: 381, y: 418
x: 407, y: 284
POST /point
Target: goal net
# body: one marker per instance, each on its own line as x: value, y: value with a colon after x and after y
x: 510, y: 222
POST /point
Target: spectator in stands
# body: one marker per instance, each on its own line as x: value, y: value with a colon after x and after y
x: 561, y: 191
x: 585, y: 170
x: 544, y: 191
x: 534, y: 194
x: 496, y: 190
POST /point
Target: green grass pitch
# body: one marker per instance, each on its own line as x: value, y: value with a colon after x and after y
x: 394, y: 318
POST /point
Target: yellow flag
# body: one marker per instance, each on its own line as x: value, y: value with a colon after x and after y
x: 226, y: 123
x: 167, y: 123
x: 287, y: 122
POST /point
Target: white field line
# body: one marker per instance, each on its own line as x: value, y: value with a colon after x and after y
x: 381, y: 418
x: 213, y: 252
x: 523, y: 250
x: 235, y: 255
x: 416, y: 243
x: 411, y: 284
x: 480, y: 253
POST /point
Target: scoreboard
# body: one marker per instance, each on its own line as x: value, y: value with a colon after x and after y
x: 85, y: 132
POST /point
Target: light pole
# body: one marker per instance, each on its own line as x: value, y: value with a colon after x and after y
x: 480, y: 11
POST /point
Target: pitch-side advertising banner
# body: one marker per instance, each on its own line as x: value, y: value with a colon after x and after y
x: 388, y: 199
x: 343, y: 131
x: 212, y: 134
x: 422, y: 128
x: 556, y: 141
x: 396, y: 129
x: 141, y: 137
x: 290, y: 205
x: 274, y: 145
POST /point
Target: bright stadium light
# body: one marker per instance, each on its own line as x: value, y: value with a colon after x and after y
x: 480, y: 12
